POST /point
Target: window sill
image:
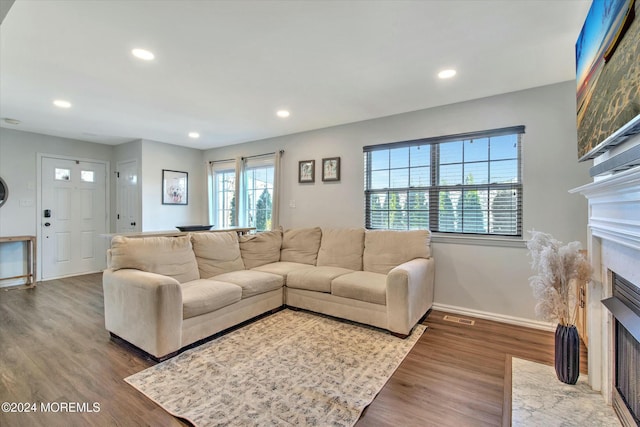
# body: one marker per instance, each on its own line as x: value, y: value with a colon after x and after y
x: 504, y: 242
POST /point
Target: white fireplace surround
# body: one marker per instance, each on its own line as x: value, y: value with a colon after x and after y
x: 614, y: 245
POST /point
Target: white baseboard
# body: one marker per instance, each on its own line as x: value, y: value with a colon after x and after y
x: 519, y: 321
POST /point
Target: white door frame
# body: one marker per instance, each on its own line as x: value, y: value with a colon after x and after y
x: 107, y: 182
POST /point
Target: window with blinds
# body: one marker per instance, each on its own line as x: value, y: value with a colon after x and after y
x: 468, y: 183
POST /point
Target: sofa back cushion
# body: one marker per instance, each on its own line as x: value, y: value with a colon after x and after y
x: 260, y: 248
x: 217, y: 253
x: 341, y: 248
x: 169, y: 256
x: 386, y: 249
x: 301, y: 245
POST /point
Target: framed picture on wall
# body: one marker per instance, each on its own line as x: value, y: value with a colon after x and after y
x: 175, y: 187
x: 306, y: 171
x: 331, y: 169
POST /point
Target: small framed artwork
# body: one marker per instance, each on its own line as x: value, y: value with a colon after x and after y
x: 306, y: 171
x: 174, y: 187
x: 331, y: 169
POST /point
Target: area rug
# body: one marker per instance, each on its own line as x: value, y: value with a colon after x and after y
x: 290, y: 368
x: 538, y: 398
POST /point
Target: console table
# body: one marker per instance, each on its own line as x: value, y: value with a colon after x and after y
x: 31, y: 258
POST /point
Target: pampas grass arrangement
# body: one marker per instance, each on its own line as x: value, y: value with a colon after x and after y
x: 559, y: 269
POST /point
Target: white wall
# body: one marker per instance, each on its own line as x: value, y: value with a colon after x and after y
x: 157, y: 156
x: 18, y: 167
x: 476, y: 277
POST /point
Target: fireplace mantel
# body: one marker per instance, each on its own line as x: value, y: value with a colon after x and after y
x: 613, y: 239
x: 614, y: 207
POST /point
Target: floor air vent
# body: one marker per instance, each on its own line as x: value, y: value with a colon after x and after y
x: 454, y: 319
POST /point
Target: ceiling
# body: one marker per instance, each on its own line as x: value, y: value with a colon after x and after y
x: 223, y: 68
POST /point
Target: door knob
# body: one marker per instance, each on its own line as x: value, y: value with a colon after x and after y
x: 47, y: 224
x: 133, y: 223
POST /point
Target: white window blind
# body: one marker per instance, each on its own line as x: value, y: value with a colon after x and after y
x: 467, y: 183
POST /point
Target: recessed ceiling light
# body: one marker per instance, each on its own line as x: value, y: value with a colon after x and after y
x: 194, y: 135
x: 447, y: 74
x: 62, y: 103
x: 143, y: 54
x: 283, y: 113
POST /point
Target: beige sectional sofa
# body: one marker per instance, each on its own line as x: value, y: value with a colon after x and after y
x: 164, y: 293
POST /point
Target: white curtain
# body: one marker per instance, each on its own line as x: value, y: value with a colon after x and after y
x: 275, y: 205
x: 240, y: 202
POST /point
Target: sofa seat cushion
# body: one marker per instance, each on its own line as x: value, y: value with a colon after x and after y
x: 252, y: 282
x: 315, y: 279
x: 361, y: 285
x: 205, y: 295
x: 282, y: 268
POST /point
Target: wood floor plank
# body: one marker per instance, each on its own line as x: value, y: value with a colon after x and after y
x: 54, y: 348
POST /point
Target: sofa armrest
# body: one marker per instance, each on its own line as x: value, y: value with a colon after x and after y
x: 409, y: 293
x: 144, y: 309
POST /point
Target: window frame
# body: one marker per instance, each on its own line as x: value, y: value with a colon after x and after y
x: 435, y: 187
x: 220, y: 211
x: 248, y: 207
x: 246, y: 214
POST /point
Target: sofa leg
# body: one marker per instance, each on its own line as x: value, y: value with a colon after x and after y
x: 398, y: 335
x: 121, y: 341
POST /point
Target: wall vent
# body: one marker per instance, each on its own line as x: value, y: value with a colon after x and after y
x: 455, y: 319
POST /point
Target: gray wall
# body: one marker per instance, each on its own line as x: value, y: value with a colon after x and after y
x: 156, y: 157
x: 485, y: 278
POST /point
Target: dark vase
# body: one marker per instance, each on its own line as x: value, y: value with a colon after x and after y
x: 567, y: 354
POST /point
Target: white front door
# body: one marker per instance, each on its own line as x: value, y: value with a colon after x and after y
x: 127, y: 217
x: 73, y: 216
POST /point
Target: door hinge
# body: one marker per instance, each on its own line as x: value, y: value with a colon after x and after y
x: 118, y: 173
x: 118, y: 216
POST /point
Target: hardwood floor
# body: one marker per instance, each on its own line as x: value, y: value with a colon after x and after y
x: 54, y: 349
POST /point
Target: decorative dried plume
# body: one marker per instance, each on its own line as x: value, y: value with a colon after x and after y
x: 560, y: 269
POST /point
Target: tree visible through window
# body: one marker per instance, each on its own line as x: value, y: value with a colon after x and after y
x: 259, y: 193
x: 468, y: 183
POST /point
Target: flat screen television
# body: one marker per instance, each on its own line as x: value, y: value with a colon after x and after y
x: 608, y: 76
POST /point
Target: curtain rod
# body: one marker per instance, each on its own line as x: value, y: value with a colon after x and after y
x: 211, y: 162
x: 262, y: 155
x: 221, y: 161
